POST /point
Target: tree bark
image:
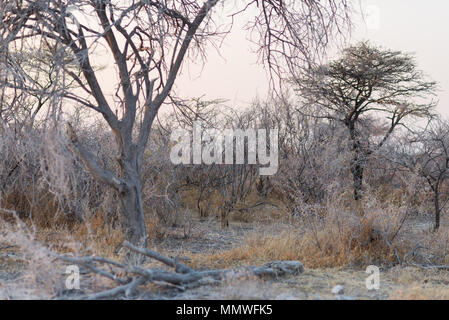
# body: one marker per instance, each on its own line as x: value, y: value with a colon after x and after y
x: 437, y: 207
x: 132, y: 219
x: 357, y: 175
x: 357, y: 165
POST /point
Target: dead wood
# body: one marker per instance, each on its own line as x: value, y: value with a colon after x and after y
x: 128, y: 277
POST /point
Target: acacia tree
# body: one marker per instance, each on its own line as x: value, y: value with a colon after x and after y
x: 367, y: 82
x: 148, y: 41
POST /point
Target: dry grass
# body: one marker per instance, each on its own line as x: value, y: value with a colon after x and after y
x: 261, y: 244
x: 39, y: 275
x: 420, y: 293
x: 327, y: 239
x: 419, y: 284
x: 339, y: 239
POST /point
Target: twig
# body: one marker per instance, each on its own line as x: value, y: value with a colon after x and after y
x: 394, y: 250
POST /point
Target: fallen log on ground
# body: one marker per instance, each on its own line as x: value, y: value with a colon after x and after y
x: 129, y: 277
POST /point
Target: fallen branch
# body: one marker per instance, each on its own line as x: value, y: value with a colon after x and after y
x: 414, y: 251
x: 179, y: 267
x: 130, y: 277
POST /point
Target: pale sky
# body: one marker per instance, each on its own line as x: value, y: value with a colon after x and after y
x: 414, y: 26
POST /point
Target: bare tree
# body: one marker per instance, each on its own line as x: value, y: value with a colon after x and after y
x: 428, y: 156
x: 365, y: 84
x: 148, y: 41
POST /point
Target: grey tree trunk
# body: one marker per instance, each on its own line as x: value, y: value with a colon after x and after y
x: 437, y: 207
x: 357, y: 161
x: 357, y: 175
x: 132, y: 219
